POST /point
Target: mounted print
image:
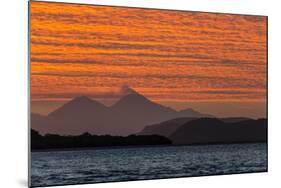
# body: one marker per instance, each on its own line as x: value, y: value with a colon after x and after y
x: 121, y: 94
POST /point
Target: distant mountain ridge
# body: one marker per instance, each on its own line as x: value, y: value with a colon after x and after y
x: 127, y: 116
x: 211, y: 130
x: 72, y: 107
x: 184, y: 131
x: 166, y: 128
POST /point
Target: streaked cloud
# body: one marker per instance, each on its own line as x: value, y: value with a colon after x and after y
x: 175, y: 56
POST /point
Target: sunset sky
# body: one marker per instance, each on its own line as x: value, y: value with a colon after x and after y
x: 214, y: 63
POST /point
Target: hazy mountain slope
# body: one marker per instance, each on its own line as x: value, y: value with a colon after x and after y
x: 210, y: 130
x: 37, y: 121
x: 79, y: 115
x: 127, y: 116
x: 134, y: 111
x: 234, y: 119
x: 189, y: 112
x: 165, y: 128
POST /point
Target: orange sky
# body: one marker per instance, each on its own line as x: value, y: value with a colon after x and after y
x: 171, y: 57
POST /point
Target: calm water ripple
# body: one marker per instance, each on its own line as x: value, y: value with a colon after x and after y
x: 102, y: 165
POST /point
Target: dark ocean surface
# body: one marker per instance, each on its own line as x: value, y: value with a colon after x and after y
x: 123, y: 164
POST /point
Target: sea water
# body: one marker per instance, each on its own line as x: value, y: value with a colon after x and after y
x: 123, y: 164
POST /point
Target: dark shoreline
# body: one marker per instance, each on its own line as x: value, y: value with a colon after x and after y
x: 138, y: 146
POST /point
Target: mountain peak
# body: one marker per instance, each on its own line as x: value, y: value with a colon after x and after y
x: 84, y: 101
x: 126, y: 90
x: 135, y: 97
x: 82, y: 98
x: 77, y: 105
x: 132, y: 99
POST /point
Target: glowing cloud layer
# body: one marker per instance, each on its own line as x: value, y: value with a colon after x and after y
x: 165, y: 55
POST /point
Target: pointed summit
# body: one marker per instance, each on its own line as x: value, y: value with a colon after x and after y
x: 134, y: 98
x: 84, y: 100
x: 126, y: 90
x: 141, y: 108
x: 131, y: 98
x: 81, y: 114
x: 77, y: 106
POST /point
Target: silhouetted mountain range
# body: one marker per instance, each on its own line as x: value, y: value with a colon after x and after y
x: 127, y: 116
x: 210, y: 130
x: 131, y: 114
x: 166, y: 128
x: 206, y: 130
